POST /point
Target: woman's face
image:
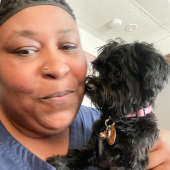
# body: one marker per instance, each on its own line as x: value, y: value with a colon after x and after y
x: 32, y: 97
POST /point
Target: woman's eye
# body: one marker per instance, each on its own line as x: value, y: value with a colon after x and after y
x: 68, y: 47
x: 25, y: 51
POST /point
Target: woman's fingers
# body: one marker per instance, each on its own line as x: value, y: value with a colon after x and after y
x: 156, y: 158
x: 159, y: 157
x: 164, y: 166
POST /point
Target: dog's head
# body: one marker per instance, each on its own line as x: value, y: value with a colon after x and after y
x: 129, y: 77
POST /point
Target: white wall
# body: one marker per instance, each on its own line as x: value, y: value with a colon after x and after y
x: 162, y: 108
x: 164, y: 46
x: 162, y: 105
x: 90, y: 43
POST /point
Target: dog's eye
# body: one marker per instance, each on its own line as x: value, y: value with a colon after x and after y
x: 96, y: 73
x: 117, y: 73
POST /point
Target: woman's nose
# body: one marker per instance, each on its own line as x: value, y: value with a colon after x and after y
x: 56, y: 71
x: 55, y: 66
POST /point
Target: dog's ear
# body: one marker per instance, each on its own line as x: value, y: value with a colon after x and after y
x: 154, y: 70
x: 156, y: 67
x: 163, y: 71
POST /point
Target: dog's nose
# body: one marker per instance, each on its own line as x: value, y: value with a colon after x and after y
x: 89, y: 86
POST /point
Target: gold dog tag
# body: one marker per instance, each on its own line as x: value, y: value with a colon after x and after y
x: 109, y: 133
x: 112, y: 135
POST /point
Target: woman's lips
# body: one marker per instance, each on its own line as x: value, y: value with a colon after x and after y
x: 58, y: 97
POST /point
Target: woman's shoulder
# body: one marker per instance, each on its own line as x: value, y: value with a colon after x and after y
x: 81, y: 129
x: 85, y: 118
x: 89, y: 113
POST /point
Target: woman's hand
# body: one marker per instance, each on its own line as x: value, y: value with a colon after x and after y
x: 159, y: 157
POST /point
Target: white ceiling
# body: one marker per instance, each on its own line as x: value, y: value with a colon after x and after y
x: 151, y: 16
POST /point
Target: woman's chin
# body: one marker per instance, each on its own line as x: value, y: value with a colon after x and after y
x: 56, y: 123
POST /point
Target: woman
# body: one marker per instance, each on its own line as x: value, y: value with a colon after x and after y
x: 42, y: 74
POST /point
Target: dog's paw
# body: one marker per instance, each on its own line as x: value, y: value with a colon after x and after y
x: 58, y: 162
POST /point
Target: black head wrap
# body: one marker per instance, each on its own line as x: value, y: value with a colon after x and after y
x: 9, y: 7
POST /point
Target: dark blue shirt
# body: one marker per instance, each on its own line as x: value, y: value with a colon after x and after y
x: 14, y: 156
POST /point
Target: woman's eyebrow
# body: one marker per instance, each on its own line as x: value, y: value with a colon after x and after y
x: 64, y: 31
x: 29, y: 33
x: 15, y: 34
x: 25, y: 33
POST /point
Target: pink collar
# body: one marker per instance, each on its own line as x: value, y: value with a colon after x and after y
x: 141, y: 113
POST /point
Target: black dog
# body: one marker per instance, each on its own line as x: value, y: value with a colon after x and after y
x: 126, y: 81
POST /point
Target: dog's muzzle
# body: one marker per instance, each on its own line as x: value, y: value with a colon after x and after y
x: 89, y: 87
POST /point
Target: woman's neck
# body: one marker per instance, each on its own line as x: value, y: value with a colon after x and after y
x: 44, y: 146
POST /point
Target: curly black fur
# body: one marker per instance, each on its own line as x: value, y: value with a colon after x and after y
x: 127, y: 77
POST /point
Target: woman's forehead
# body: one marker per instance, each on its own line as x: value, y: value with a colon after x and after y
x: 41, y: 12
x: 34, y: 19
x: 9, y: 8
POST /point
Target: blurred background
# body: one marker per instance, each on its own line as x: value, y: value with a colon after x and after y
x: 141, y: 20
